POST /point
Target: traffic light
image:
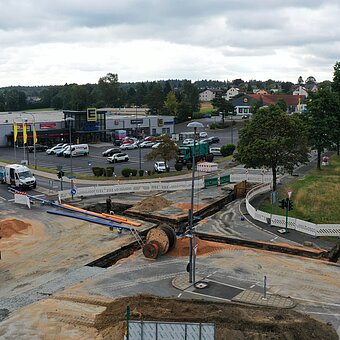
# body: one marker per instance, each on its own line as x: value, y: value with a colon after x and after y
x: 282, y: 204
x: 59, y: 174
x: 290, y: 205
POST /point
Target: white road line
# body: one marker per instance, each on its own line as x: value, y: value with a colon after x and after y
x: 252, y: 286
x: 210, y: 296
x: 179, y: 295
x: 273, y: 239
x: 3, y: 198
x: 317, y: 302
x: 226, y: 284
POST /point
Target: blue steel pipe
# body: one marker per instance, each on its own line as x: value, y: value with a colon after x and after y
x: 107, y: 224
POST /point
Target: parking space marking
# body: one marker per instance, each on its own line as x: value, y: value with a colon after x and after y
x: 226, y: 284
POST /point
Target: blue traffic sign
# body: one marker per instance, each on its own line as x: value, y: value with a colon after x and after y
x: 73, y: 191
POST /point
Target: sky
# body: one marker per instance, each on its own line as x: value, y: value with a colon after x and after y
x: 78, y: 41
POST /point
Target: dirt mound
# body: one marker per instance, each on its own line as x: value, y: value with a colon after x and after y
x: 232, y: 321
x: 151, y: 204
x: 11, y: 227
x: 203, y: 247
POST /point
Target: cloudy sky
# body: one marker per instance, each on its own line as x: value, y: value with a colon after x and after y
x: 78, y: 41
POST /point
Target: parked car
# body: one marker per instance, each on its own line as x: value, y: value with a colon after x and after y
x: 146, y: 144
x: 60, y: 152
x: 118, y: 157
x: 188, y: 141
x: 128, y: 146
x: 213, y: 140
x: 216, y: 151
x: 156, y: 145
x: 245, y: 117
x: 110, y: 152
x: 203, y: 134
x: 55, y: 149
x: 206, y: 140
x: 127, y: 141
x: 161, y: 167
x: 149, y: 138
x: 38, y: 147
x: 118, y: 142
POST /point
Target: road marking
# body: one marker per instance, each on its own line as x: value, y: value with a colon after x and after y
x: 3, y: 198
x: 226, y: 284
x: 317, y: 302
x: 273, y: 239
x: 252, y: 286
x: 179, y: 295
x: 210, y: 296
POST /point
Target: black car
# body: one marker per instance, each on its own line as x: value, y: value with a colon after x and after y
x: 213, y: 140
x: 38, y: 147
x: 110, y: 152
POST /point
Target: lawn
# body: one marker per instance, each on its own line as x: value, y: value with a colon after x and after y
x: 316, y: 197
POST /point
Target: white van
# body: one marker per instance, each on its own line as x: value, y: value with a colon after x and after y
x: 77, y: 150
x: 19, y: 176
x: 216, y: 151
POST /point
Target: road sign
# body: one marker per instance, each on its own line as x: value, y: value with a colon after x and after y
x: 73, y: 191
x: 71, y: 177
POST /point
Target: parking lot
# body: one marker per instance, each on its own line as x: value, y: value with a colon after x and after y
x: 95, y: 159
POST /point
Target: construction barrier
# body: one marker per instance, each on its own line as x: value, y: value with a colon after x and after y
x: 207, y: 166
x: 293, y: 223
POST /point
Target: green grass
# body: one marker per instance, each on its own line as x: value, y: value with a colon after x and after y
x: 316, y: 197
x: 40, y: 110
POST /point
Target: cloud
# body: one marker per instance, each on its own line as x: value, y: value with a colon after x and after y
x: 219, y: 39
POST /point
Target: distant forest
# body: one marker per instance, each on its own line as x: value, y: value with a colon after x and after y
x: 173, y: 96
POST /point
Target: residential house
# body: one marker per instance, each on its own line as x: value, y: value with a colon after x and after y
x: 210, y: 94
x: 231, y: 93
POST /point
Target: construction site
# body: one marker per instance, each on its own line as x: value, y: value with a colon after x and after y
x: 84, y: 268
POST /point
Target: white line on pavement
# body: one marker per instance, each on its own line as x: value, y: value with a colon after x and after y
x: 3, y: 198
x: 210, y: 296
x: 317, y: 302
x: 226, y: 284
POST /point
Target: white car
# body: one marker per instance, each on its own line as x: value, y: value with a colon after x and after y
x: 156, y: 145
x: 118, y: 157
x: 161, y: 167
x: 146, y: 144
x: 216, y: 151
x: 56, y: 149
x: 129, y: 146
x: 188, y: 141
x: 203, y: 134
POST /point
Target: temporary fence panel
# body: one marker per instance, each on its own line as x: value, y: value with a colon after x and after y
x: 152, y: 330
x: 209, y: 182
x: 133, y: 187
x: 224, y: 179
x: 292, y: 223
x: 207, y: 166
x: 257, y: 178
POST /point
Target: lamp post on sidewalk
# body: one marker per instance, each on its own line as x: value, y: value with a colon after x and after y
x: 70, y: 120
x: 34, y: 140
x: 192, y: 240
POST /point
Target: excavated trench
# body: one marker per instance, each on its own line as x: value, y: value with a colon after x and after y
x: 179, y: 224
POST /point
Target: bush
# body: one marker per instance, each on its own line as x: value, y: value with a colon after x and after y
x: 189, y: 166
x: 179, y: 166
x: 126, y: 172
x: 98, y: 171
x: 228, y: 149
x: 109, y: 171
x: 134, y: 172
x: 141, y: 172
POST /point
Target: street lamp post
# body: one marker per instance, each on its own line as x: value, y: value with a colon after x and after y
x: 70, y: 120
x: 192, y: 240
x: 24, y: 122
x: 139, y: 149
x: 34, y: 137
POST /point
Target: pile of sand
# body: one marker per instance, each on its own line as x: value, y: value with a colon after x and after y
x: 151, y: 204
x: 12, y: 226
x: 203, y: 247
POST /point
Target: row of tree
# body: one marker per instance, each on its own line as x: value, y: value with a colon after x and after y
x: 274, y: 139
x: 160, y: 97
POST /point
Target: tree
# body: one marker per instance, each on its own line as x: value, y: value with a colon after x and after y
x: 321, y: 119
x: 224, y: 106
x: 336, y: 89
x: 171, y: 103
x: 273, y: 139
x: 155, y: 97
x: 166, y: 151
x: 108, y: 89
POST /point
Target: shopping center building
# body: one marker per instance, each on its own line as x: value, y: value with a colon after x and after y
x: 90, y: 126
